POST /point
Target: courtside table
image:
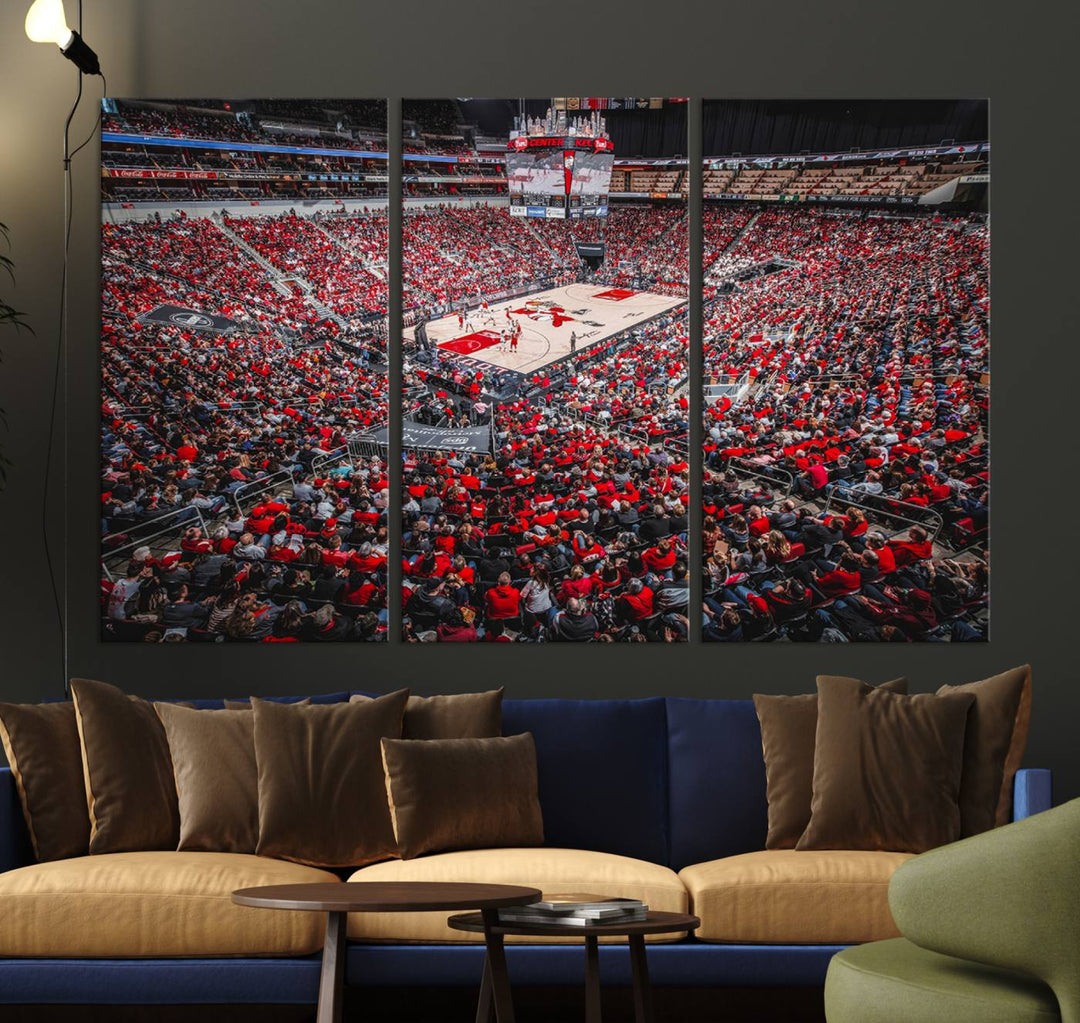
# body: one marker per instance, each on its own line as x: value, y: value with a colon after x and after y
x: 495, y: 987
x: 338, y: 900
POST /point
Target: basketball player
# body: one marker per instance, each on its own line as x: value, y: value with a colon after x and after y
x: 514, y: 341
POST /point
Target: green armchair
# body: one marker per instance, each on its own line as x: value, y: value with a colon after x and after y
x: 991, y: 931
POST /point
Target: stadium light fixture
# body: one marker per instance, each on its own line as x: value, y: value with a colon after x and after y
x: 46, y: 23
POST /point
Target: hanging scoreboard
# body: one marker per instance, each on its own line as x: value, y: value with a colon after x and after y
x: 559, y: 176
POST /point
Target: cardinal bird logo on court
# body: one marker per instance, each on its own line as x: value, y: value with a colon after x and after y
x: 557, y: 314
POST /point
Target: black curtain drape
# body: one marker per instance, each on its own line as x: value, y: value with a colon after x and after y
x: 659, y: 132
x: 761, y: 127
x: 766, y: 127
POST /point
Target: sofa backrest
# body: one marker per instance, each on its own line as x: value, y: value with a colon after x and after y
x: 603, y: 772
x: 716, y: 780
x: 673, y: 781
x: 15, y: 846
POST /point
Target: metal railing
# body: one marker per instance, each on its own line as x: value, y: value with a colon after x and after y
x: 774, y: 476
x: 836, y: 378
x: 678, y: 446
x: 320, y: 463
x: 733, y: 387
x: 138, y: 411
x: 366, y: 445
x: 146, y: 539
x: 931, y: 521
x: 356, y: 446
x: 258, y: 487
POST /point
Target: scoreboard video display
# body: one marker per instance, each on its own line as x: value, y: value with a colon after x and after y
x: 557, y: 177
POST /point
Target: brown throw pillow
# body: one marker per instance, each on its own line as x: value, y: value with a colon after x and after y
x: 788, y: 724
x: 886, y: 768
x: 42, y: 746
x: 322, y: 796
x: 127, y: 770
x: 458, y: 716
x: 463, y: 793
x: 217, y: 781
x: 994, y: 746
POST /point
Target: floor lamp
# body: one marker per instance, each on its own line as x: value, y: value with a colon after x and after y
x: 46, y: 23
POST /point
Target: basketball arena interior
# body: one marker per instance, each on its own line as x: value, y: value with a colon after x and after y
x: 846, y: 371
x: 546, y: 361
x: 547, y: 316
x: 243, y: 351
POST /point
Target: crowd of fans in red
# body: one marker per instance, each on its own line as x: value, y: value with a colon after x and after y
x: 573, y: 527
x: 456, y: 254
x: 228, y: 509
x: 341, y: 279
x: 846, y: 495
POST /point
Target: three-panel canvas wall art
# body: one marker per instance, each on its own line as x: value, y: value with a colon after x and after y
x: 550, y: 485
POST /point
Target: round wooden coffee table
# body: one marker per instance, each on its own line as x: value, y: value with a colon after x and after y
x: 338, y: 900
x: 496, y: 979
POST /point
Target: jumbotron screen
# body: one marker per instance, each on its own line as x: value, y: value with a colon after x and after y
x: 536, y: 175
x: 559, y: 177
x: 590, y: 183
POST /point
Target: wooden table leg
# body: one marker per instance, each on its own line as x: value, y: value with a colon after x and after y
x: 643, y: 1011
x: 485, y: 1005
x: 496, y: 960
x: 592, y: 980
x: 331, y: 981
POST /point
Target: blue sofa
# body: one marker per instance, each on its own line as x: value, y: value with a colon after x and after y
x: 675, y: 782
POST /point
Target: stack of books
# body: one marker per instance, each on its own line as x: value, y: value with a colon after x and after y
x: 575, y: 909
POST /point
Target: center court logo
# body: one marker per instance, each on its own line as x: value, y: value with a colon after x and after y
x: 191, y: 320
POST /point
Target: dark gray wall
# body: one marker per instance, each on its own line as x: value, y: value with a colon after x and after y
x: 840, y: 48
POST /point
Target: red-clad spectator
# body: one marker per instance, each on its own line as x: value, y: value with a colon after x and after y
x: 502, y: 601
x: 916, y: 547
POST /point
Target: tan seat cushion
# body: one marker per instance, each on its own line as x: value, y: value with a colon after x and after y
x: 550, y: 870
x: 153, y: 904
x: 788, y: 897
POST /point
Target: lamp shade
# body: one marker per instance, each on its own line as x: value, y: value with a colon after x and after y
x: 45, y: 23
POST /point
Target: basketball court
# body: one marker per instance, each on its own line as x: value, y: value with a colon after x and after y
x: 547, y: 318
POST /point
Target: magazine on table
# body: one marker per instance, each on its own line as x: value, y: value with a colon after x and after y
x: 576, y: 909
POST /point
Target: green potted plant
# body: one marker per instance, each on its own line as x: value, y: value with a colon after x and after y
x: 9, y: 317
